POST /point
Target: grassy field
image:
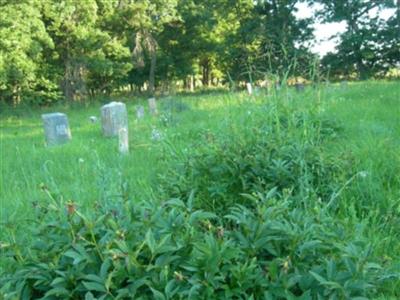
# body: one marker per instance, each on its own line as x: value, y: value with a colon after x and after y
x: 357, y: 126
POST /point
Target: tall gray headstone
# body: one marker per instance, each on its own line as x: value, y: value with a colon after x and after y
x: 113, y: 117
x: 153, y: 106
x: 56, y: 129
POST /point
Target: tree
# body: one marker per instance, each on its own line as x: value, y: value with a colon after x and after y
x: 141, y: 22
x: 360, y: 47
x: 23, y: 38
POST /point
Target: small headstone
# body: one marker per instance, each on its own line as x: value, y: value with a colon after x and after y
x: 153, y: 106
x: 123, y: 140
x: 93, y: 119
x: 140, y: 112
x: 249, y: 88
x: 56, y: 129
x: 299, y: 87
x: 113, y: 117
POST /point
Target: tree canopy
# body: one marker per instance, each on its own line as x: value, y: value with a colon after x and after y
x: 72, y: 49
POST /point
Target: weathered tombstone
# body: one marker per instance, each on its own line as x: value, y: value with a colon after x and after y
x: 140, y: 112
x: 249, y: 88
x: 153, y: 106
x: 56, y: 129
x: 299, y: 87
x: 123, y: 140
x: 113, y: 117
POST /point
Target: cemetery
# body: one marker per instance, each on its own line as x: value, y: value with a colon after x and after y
x: 157, y: 182
x: 182, y: 149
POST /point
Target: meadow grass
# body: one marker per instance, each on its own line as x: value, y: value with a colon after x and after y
x: 90, y: 168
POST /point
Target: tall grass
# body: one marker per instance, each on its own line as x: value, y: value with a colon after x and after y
x: 332, y: 153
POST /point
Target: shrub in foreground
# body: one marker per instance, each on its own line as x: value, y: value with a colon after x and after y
x: 170, y: 250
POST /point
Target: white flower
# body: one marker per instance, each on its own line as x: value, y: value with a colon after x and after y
x: 363, y: 174
x: 81, y: 160
x: 93, y: 119
x: 156, y: 135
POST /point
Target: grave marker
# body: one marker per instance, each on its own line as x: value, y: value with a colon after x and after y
x: 123, y: 140
x: 299, y: 87
x: 56, y: 129
x: 249, y: 88
x: 140, y: 112
x: 113, y: 117
x: 153, y: 106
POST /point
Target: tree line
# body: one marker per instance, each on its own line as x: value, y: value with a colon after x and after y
x: 75, y: 49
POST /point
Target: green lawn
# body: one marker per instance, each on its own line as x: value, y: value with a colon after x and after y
x: 89, y: 168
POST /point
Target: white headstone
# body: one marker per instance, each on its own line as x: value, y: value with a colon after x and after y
x: 249, y: 88
x: 123, y: 140
x: 153, y: 106
x: 113, y: 117
x: 56, y: 128
x: 140, y: 112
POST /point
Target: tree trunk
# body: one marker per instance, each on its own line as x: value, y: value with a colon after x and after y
x: 191, y: 83
x: 152, y: 72
x: 206, y: 72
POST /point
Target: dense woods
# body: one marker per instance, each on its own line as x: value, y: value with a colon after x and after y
x: 72, y: 50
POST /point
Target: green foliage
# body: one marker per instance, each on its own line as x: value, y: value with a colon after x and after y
x: 248, y: 160
x: 23, y: 40
x: 369, y: 45
x: 75, y: 50
x: 277, y: 236
x: 170, y: 250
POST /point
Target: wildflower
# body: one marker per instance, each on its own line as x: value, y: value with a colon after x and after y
x: 81, y: 160
x: 156, y: 135
x: 363, y: 174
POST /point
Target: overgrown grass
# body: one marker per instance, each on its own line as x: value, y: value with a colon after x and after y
x: 322, y: 165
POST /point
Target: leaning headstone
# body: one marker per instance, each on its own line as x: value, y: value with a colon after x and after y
x: 249, y: 88
x: 56, y: 129
x: 113, y: 117
x: 123, y: 140
x: 140, y: 112
x: 153, y: 106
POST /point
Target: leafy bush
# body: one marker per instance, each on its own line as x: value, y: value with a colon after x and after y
x: 256, y: 159
x: 172, y: 251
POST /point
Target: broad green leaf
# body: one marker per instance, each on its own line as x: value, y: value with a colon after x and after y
x: 94, y: 286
